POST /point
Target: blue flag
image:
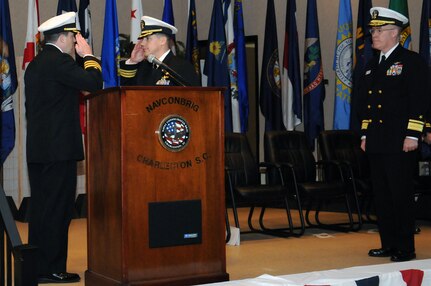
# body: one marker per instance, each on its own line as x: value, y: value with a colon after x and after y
x: 363, y: 53
x: 216, y: 66
x: 8, y: 81
x: 270, y: 81
x: 241, y: 65
x: 110, y: 46
x: 192, y: 50
x: 343, y: 66
x: 66, y: 6
x: 168, y: 14
x: 291, y: 99
x: 314, y: 88
x: 425, y: 35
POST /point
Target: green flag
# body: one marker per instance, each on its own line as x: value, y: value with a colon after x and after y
x: 401, y: 6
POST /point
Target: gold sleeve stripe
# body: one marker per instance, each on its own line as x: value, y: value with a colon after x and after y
x: 428, y: 124
x: 416, y: 121
x: 95, y: 66
x: 92, y: 64
x: 415, y: 125
x: 127, y: 73
x: 365, y: 124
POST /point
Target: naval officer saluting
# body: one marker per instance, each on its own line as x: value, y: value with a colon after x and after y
x: 53, y: 81
x: 143, y: 67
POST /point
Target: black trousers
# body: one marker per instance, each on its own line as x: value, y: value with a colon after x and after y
x: 53, y: 188
x: 392, y: 178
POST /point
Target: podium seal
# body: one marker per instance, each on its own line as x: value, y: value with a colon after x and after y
x: 174, y: 133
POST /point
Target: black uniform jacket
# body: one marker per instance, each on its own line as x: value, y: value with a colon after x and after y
x: 53, y: 81
x: 145, y: 74
x: 427, y: 127
x: 396, y: 99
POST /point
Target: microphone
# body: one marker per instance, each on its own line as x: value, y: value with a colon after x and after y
x: 166, y: 69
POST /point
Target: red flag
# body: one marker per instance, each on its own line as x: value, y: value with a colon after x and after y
x: 33, y: 36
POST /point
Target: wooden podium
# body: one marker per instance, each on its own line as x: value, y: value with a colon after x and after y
x: 155, y: 184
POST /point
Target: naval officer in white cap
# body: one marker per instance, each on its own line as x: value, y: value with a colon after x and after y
x: 395, y: 100
x: 53, y: 81
x: 143, y: 67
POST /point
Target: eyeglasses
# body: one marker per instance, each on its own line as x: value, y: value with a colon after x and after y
x: 379, y: 30
x: 148, y: 38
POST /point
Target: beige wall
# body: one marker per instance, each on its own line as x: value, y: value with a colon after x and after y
x: 254, y: 17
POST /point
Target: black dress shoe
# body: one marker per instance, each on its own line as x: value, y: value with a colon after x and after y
x: 62, y: 277
x: 400, y: 256
x: 381, y: 252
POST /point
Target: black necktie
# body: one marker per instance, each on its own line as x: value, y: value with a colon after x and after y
x: 383, y: 59
x: 155, y: 72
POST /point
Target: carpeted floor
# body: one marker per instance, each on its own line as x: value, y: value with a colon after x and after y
x: 258, y: 254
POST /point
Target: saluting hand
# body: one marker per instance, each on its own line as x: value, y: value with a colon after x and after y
x: 137, y: 55
x: 81, y: 46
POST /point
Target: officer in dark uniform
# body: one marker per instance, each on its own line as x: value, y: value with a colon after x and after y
x: 53, y: 81
x: 395, y: 91
x: 154, y: 40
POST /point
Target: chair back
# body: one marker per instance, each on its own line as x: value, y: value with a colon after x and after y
x: 239, y: 160
x: 344, y: 145
x: 291, y: 147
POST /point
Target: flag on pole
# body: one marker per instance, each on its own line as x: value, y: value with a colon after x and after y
x: 110, y: 46
x: 84, y: 15
x: 168, y: 13
x: 228, y: 24
x: 66, y: 6
x: 270, y: 93
x: 402, y: 7
x: 216, y: 65
x: 31, y: 49
x: 8, y: 82
x: 314, y: 88
x: 192, y: 49
x: 241, y: 65
x: 425, y: 35
x: 363, y: 53
x: 343, y: 66
x: 291, y: 100
x: 168, y: 17
x: 135, y: 20
x: 32, y: 38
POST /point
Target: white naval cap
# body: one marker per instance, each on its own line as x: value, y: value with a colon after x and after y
x: 383, y: 16
x: 150, y: 25
x: 62, y: 23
